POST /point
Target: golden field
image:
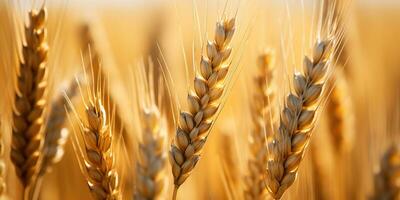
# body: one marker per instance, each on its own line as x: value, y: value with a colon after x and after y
x: 343, y: 153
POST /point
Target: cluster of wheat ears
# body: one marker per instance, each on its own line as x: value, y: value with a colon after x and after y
x: 170, y: 146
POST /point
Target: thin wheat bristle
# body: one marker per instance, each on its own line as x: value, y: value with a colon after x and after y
x: 152, y: 158
x: 56, y: 132
x: 263, y: 118
x: 204, y: 101
x: 339, y: 111
x: 297, y: 120
x: 30, y: 99
x: 386, y: 182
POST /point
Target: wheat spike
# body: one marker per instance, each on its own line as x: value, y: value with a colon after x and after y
x: 386, y: 182
x: 92, y: 61
x: 30, y: 99
x: 101, y: 176
x: 262, y: 116
x: 204, y: 101
x: 56, y: 133
x: 297, y: 120
x: 152, y: 158
x: 339, y: 111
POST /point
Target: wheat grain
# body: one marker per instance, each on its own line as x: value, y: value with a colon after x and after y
x: 204, y: 101
x: 152, y: 158
x: 262, y: 117
x: 297, y: 120
x: 30, y: 99
x: 386, y: 182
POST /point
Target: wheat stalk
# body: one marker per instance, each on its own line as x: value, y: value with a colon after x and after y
x: 262, y: 117
x: 204, y: 101
x: 386, y: 182
x: 30, y: 99
x: 152, y: 158
x: 297, y: 121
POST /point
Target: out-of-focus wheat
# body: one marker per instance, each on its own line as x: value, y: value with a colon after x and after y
x: 30, y: 99
x: 56, y: 133
x: 386, y: 182
x: 339, y: 112
x: 204, y: 102
x: 263, y: 119
x: 297, y: 120
x: 152, y: 157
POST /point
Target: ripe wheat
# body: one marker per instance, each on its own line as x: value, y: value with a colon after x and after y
x: 152, y: 158
x: 56, y: 133
x: 386, y: 182
x: 192, y: 131
x: 263, y: 119
x: 30, y: 99
x: 297, y: 120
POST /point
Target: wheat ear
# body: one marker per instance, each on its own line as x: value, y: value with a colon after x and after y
x: 30, y: 100
x: 297, y: 120
x: 262, y: 116
x: 338, y: 109
x: 204, y: 101
x: 56, y: 133
x: 92, y: 61
x: 101, y: 175
x: 152, y: 158
x: 386, y: 182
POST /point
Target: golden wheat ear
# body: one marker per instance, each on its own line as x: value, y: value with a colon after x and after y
x: 339, y: 112
x: 204, y: 102
x: 30, y: 100
x: 151, y: 163
x: 297, y: 120
x: 263, y: 118
x: 386, y: 180
x: 92, y: 58
x: 94, y: 143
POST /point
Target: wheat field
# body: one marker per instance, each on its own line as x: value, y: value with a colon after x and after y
x: 215, y: 99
